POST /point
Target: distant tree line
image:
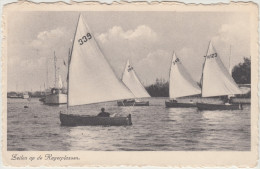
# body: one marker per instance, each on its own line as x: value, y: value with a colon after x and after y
x: 159, y: 89
x: 241, y: 74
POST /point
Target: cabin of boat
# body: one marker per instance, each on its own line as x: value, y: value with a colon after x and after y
x: 56, y: 97
x: 85, y: 120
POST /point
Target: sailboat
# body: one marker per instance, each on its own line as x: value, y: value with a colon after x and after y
x: 180, y: 84
x: 56, y: 96
x: 91, y: 80
x: 216, y: 81
x: 131, y: 81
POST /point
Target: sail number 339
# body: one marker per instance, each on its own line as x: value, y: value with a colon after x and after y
x: 85, y: 38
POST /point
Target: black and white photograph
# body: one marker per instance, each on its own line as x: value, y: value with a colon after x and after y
x: 130, y: 80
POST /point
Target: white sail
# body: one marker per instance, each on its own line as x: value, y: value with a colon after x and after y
x: 181, y: 84
x: 133, y: 83
x: 60, y: 82
x: 91, y: 79
x: 216, y: 80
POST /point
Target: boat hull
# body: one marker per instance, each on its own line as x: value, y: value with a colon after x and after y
x: 42, y: 99
x: 240, y: 100
x: 179, y: 105
x: 25, y: 96
x: 55, y: 99
x: 133, y: 103
x: 83, y: 120
x: 206, y: 106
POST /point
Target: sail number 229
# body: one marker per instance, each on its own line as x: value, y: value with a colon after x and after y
x: 85, y: 38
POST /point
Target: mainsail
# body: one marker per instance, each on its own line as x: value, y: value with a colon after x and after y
x: 91, y: 78
x: 133, y: 83
x: 181, y: 84
x: 216, y: 80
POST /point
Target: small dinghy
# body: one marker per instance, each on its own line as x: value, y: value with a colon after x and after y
x: 181, y: 84
x: 217, y: 81
x: 91, y: 80
x: 132, y: 82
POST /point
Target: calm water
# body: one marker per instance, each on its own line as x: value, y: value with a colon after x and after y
x: 154, y: 128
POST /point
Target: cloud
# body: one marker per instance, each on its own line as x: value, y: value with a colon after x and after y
x: 48, y: 39
x: 233, y: 40
x: 119, y: 45
x: 155, y: 65
x: 117, y: 32
x: 233, y: 33
x: 31, y: 59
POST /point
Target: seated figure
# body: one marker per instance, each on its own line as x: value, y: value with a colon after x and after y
x: 173, y: 101
x: 103, y: 113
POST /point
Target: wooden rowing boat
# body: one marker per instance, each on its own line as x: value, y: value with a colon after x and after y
x: 86, y: 120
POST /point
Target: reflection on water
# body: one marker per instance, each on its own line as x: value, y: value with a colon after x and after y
x: 154, y: 128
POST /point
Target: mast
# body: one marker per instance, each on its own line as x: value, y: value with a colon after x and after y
x: 47, y: 74
x: 229, y: 66
x: 55, y: 73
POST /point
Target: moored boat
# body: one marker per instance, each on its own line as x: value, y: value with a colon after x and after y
x: 56, y: 97
x: 13, y: 95
x: 88, y: 84
x: 180, y: 84
x: 132, y: 82
x: 25, y: 96
x: 217, y: 81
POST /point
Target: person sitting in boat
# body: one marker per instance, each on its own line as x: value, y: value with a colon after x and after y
x: 228, y: 101
x: 173, y: 101
x: 103, y: 113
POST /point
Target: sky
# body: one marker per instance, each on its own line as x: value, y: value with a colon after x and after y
x: 148, y: 39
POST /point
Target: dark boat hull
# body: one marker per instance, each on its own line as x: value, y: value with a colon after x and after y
x: 133, y: 103
x: 83, y: 120
x: 179, y: 105
x: 206, y: 106
x: 240, y: 100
